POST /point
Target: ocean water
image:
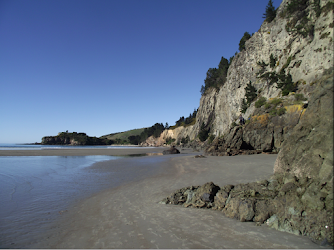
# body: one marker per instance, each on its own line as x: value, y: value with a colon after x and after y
x: 36, y: 190
x: 7, y: 146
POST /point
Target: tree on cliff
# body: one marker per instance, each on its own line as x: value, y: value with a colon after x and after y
x: 251, y: 94
x: 243, y: 40
x: 203, y: 133
x: 216, y: 77
x: 270, y: 13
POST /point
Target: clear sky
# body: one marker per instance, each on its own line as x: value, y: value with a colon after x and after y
x: 109, y: 66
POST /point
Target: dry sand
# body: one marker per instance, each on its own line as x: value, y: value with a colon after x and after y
x: 130, y: 216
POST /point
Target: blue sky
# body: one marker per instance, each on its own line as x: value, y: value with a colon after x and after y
x: 101, y: 67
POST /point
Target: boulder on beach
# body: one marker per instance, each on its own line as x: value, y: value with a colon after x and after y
x: 172, y: 150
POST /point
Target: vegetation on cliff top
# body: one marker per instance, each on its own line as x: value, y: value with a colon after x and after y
x: 154, y: 130
x: 270, y: 13
x: 122, y: 137
x: 216, y: 77
x: 190, y: 120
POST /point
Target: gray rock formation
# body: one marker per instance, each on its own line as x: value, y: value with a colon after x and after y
x: 305, y: 57
x: 171, y: 150
x: 264, y: 132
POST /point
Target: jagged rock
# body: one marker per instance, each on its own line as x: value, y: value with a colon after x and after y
x: 246, y: 210
x: 284, y: 202
x: 172, y: 150
x: 263, y: 134
x: 204, y: 195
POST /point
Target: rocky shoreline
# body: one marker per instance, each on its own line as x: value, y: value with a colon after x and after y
x: 298, y: 198
x: 282, y: 202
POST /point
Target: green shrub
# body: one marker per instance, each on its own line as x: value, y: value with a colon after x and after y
x: 273, y: 112
x: 281, y: 111
x: 285, y: 83
x: 300, y: 97
x: 278, y: 112
x: 169, y: 140
x: 233, y: 124
x: 276, y: 101
x: 272, y: 61
x: 244, y: 106
x: 267, y: 105
x: 185, y: 140
x: 259, y: 103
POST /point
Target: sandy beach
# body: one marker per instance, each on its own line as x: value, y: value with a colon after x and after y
x: 130, y: 215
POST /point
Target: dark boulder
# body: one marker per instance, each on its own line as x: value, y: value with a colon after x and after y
x: 172, y: 150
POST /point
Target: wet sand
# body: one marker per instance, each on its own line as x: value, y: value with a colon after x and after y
x: 130, y: 215
x: 82, y: 151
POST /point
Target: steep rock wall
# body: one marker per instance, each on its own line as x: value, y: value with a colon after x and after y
x: 308, y: 151
x: 177, y: 134
x: 308, y: 57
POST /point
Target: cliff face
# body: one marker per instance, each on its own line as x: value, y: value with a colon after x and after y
x: 177, y: 134
x: 308, y: 151
x: 306, y: 60
x: 298, y: 198
x: 306, y: 57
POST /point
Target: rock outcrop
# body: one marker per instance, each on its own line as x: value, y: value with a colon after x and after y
x: 263, y: 132
x: 298, y: 198
x: 170, y: 151
x: 308, y: 150
x: 275, y: 202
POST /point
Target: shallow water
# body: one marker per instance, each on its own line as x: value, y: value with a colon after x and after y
x: 36, y: 190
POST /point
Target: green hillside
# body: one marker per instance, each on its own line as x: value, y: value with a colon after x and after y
x: 122, y: 137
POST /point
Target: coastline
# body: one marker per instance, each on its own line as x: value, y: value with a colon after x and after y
x: 130, y: 216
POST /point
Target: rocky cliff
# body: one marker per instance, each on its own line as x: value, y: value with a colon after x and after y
x: 298, y: 198
x: 302, y: 48
x: 306, y: 58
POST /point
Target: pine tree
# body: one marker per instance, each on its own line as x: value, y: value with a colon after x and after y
x: 270, y: 12
x: 250, y: 92
x: 243, y: 41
